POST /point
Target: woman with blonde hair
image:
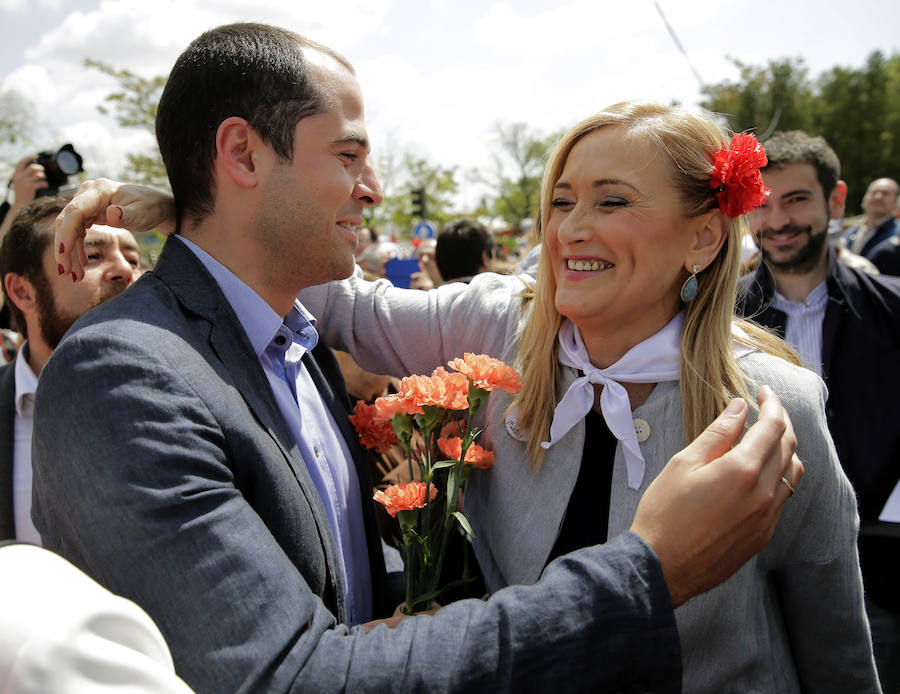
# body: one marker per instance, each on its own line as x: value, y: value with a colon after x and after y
x: 628, y: 347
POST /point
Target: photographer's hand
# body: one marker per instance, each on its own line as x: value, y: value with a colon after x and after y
x: 27, y: 180
x: 128, y: 206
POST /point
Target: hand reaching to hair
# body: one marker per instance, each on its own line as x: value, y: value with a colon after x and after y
x: 713, y: 506
x: 128, y: 206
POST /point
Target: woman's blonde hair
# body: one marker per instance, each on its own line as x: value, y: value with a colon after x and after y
x: 709, y: 373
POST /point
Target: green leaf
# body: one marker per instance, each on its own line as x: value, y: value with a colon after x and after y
x: 463, y: 521
x: 443, y: 464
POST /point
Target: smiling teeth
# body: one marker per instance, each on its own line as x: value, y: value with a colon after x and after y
x: 587, y: 265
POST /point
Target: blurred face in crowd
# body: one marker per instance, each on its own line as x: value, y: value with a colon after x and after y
x: 113, y: 264
x: 365, y: 237
x: 617, y: 236
x: 791, y: 228
x: 880, y: 199
x: 312, y: 205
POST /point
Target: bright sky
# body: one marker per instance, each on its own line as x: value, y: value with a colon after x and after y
x: 436, y: 76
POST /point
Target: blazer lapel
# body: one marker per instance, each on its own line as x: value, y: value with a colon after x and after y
x: 325, y: 373
x: 199, y: 293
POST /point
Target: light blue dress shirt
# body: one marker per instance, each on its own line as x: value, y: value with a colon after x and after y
x: 803, y: 331
x: 280, y: 345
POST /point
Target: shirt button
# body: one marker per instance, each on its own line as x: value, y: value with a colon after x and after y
x: 279, y: 340
x: 642, y: 430
x: 316, y: 451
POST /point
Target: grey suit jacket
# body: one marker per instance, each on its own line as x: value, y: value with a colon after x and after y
x: 7, y: 441
x: 163, y: 468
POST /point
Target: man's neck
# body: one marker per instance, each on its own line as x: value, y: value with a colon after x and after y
x: 245, y: 258
x: 36, y: 351
x: 797, y: 286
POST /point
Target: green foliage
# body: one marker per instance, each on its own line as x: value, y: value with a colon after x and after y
x: 134, y: 106
x: 515, y: 173
x: 16, y: 119
x: 401, y: 171
x: 857, y: 110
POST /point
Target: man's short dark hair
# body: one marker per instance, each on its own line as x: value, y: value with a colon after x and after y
x: 22, y: 249
x: 796, y: 146
x: 460, y: 248
x: 252, y: 71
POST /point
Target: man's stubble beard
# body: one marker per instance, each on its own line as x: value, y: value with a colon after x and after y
x: 807, y: 256
x: 52, y: 323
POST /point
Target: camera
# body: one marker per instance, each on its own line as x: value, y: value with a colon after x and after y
x: 58, y: 166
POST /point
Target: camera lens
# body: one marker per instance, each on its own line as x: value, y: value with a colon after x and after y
x: 67, y: 162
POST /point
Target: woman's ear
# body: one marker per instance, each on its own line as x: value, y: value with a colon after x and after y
x: 237, y: 150
x: 711, y: 232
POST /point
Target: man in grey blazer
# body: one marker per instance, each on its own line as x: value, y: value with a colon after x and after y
x: 181, y: 448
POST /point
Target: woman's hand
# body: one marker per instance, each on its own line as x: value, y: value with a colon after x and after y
x: 128, y: 206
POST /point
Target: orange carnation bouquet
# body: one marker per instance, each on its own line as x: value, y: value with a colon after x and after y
x: 431, y: 416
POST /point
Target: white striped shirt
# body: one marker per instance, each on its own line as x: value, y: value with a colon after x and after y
x: 804, y: 325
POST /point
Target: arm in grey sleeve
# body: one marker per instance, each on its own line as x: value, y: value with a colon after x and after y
x: 404, y: 331
x: 137, y: 489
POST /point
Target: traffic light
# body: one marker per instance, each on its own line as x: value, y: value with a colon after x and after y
x: 418, y: 202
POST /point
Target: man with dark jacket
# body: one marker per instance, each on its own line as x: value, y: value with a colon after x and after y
x: 844, y: 325
x: 877, y: 238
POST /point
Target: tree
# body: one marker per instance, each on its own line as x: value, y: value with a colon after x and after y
x: 857, y: 110
x: 134, y: 106
x: 17, y: 130
x: 515, y: 172
x: 16, y: 118
x: 399, y: 172
x: 776, y: 96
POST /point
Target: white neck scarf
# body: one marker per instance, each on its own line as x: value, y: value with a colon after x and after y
x: 655, y: 360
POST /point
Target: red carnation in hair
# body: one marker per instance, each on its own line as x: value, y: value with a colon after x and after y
x: 736, y: 175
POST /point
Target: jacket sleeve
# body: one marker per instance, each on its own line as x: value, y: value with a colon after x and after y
x: 134, y: 483
x: 403, y: 331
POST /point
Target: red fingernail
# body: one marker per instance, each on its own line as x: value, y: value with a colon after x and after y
x: 62, y: 248
x: 74, y: 276
x: 62, y: 270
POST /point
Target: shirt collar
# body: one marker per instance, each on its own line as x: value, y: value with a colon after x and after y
x: 26, y: 382
x: 257, y: 318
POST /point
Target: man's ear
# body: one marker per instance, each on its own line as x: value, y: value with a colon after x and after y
x: 237, y: 151
x: 837, y: 201
x: 21, y: 292
x: 712, y: 230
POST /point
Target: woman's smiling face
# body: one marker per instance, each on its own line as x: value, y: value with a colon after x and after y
x: 617, y: 236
